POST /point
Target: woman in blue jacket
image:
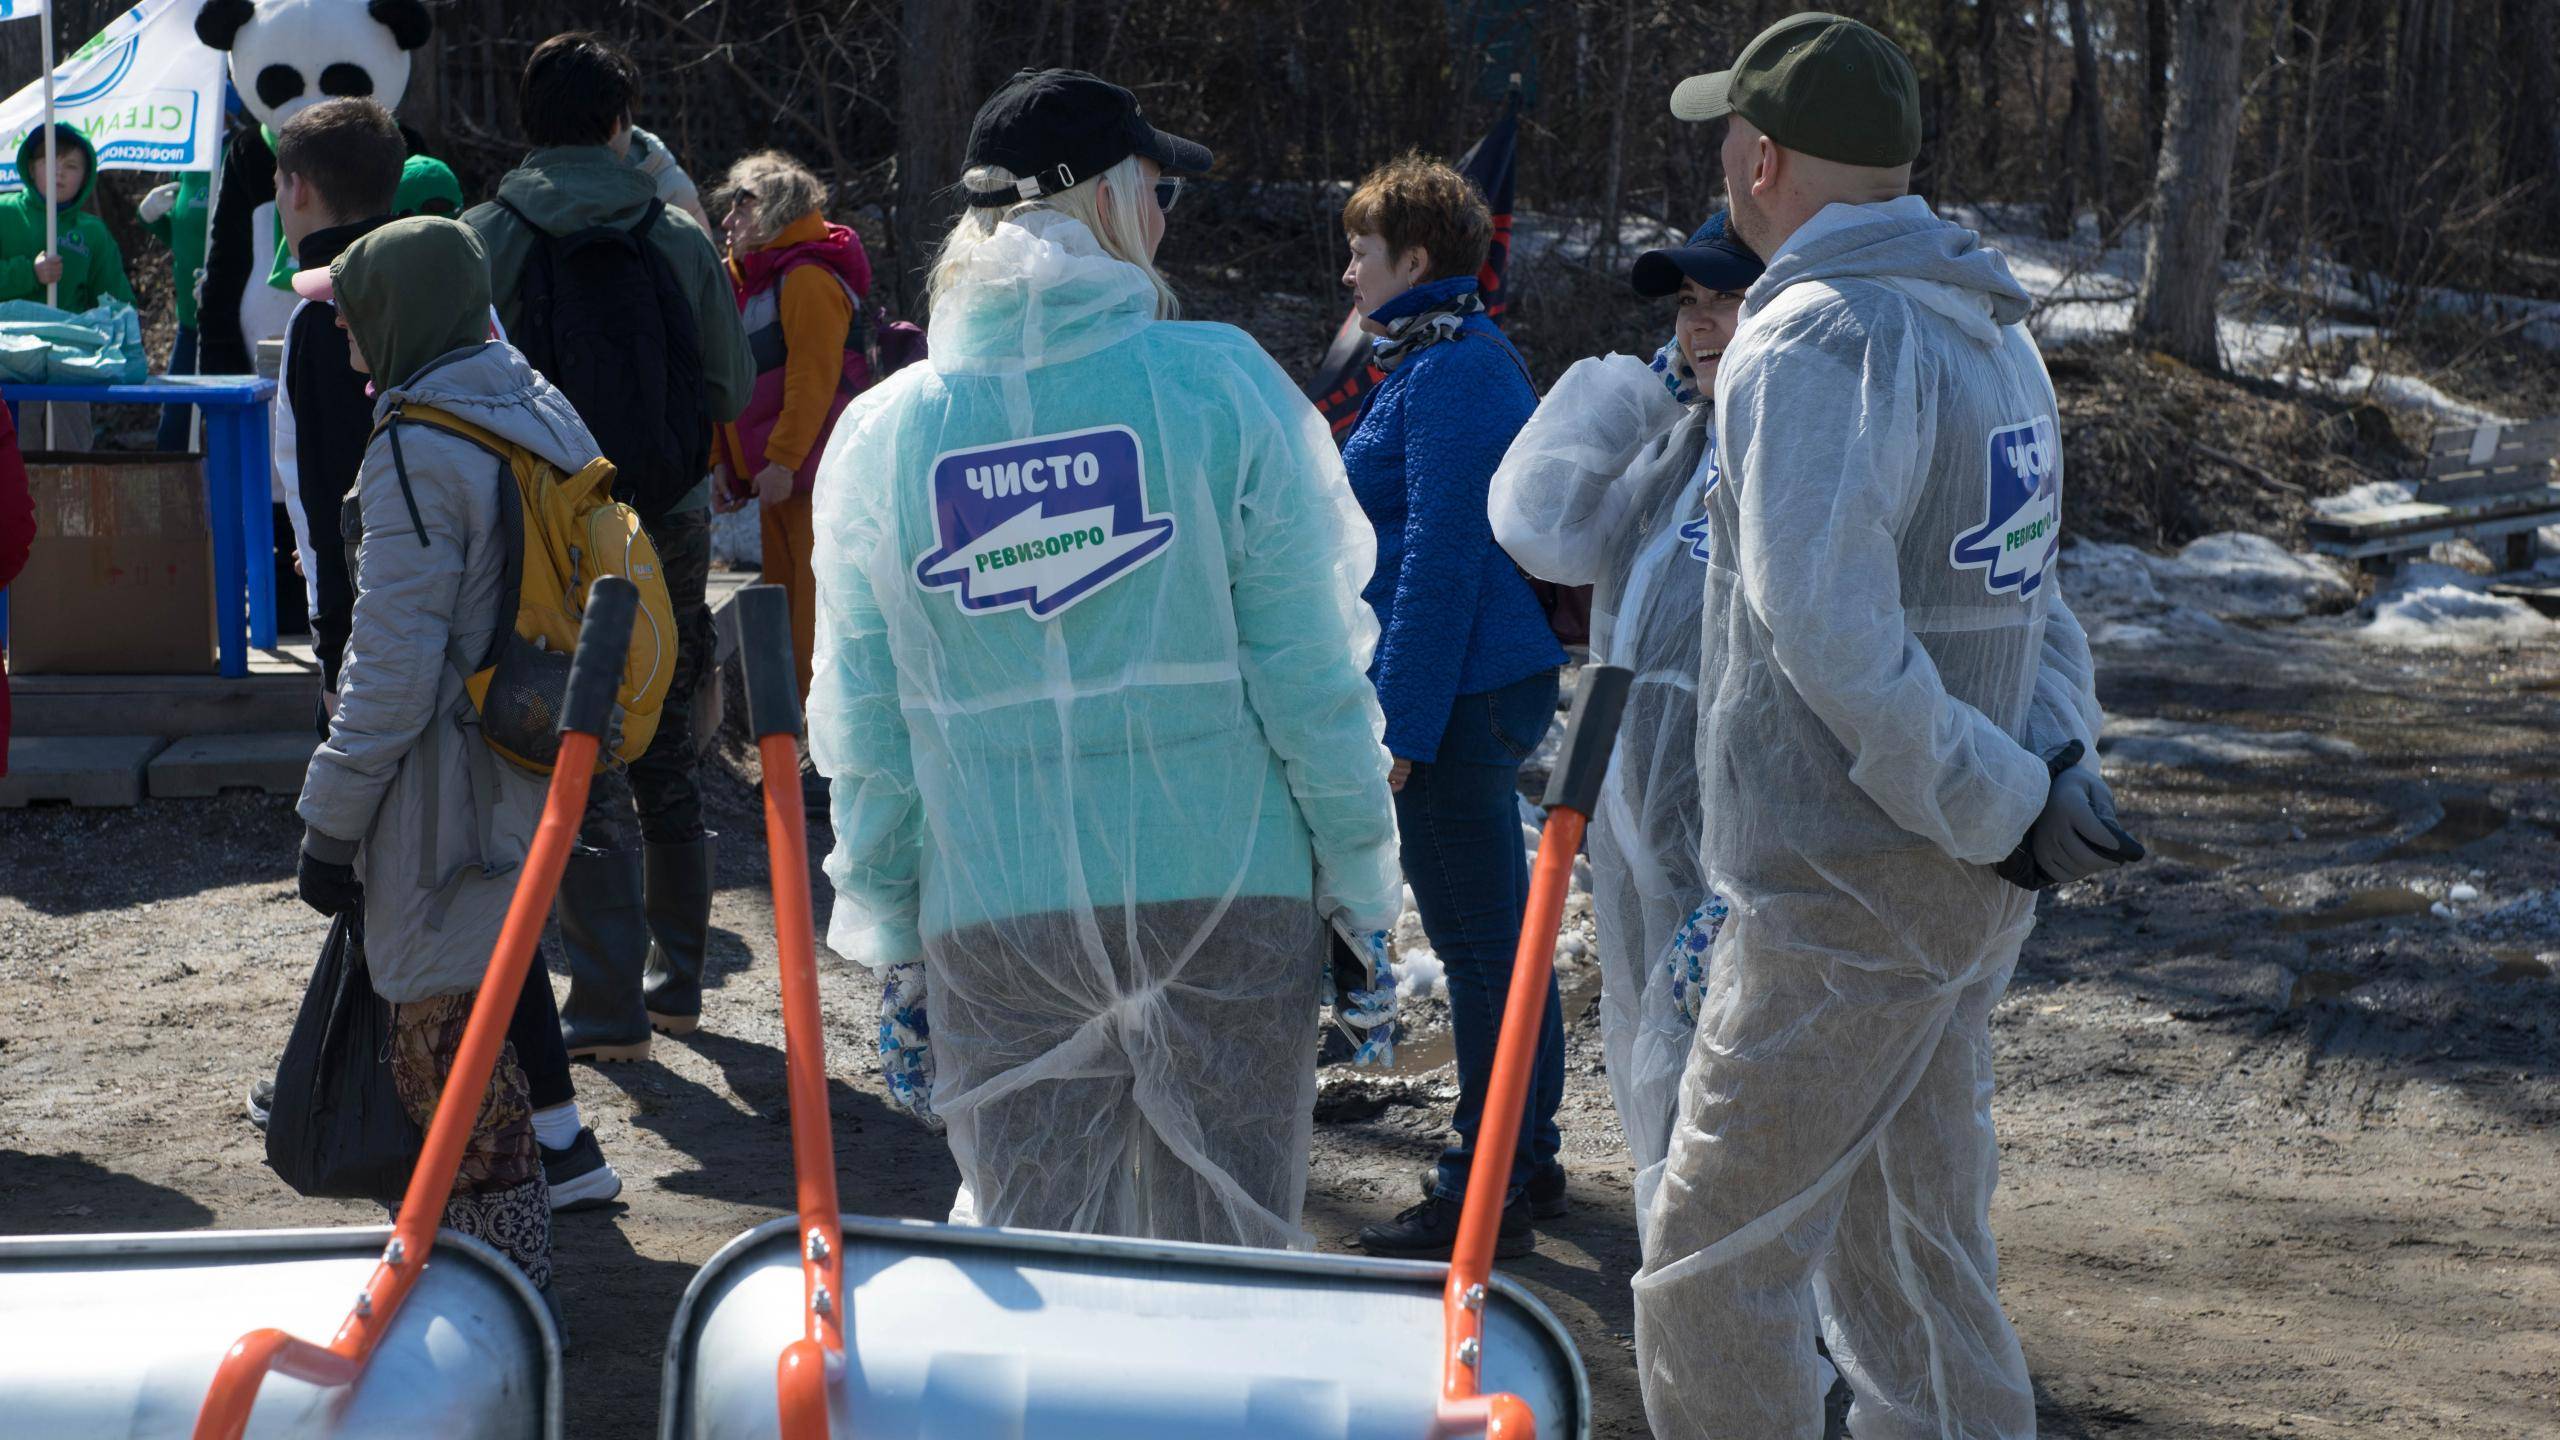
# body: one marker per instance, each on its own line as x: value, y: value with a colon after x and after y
x: 1466, y: 663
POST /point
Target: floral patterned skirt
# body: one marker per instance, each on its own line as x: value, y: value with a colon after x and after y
x: 499, y: 1195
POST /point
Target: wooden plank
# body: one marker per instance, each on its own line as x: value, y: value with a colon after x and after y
x: 2533, y: 439
x: 2424, y: 513
x: 2347, y: 542
x: 2545, y: 598
x: 2475, y: 484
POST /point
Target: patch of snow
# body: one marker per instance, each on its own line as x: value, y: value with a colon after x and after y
x: 2462, y: 894
x: 2134, y: 740
x: 1420, y: 975
x: 2250, y: 577
x: 737, y: 538
x: 2085, y: 293
x: 2437, y: 605
x: 2134, y: 600
x: 2371, y: 495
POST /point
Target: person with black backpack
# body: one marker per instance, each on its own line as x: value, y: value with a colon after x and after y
x: 623, y: 303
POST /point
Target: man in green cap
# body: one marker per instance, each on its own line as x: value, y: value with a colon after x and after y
x: 1892, y: 702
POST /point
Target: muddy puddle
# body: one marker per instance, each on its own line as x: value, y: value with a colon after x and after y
x: 2179, y: 852
x: 2466, y: 819
x: 2312, y: 985
x: 2519, y: 967
x: 1421, y: 1053
x: 2382, y: 902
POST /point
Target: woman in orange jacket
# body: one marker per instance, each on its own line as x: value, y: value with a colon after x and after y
x: 801, y: 283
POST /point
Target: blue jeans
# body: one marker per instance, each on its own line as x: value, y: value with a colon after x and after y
x: 1460, y: 817
x: 173, y: 418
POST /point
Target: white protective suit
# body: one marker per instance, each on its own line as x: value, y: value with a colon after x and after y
x: 1090, y: 686
x: 1886, y: 655
x: 1605, y: 487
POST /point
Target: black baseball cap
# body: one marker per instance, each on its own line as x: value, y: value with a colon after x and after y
x: 1714, y: 257
x: 1819, y: 83
x: 1056, y: 128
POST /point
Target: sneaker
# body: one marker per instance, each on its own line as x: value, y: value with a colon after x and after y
x: 578, y: 1175
x: 1546, y: 1195
x: 262, y: 1101
x: 1429, y: 1231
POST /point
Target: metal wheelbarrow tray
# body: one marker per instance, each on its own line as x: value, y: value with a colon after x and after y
x: 119, y: 1335
x: 823, y: 1326
x: 990, y: 1334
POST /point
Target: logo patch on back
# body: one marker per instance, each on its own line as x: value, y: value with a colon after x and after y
x: 1042, y: 523
x: 2022, y: 511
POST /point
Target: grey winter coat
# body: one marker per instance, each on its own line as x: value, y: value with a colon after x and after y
x: 436, y: 823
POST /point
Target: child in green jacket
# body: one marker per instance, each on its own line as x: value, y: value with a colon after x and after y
x: 88, y: 264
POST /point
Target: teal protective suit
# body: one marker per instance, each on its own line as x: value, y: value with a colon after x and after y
x: 1089, y: 684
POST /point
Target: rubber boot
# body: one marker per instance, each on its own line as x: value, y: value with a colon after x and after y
x: 604, y: 931
x: 679, y: 886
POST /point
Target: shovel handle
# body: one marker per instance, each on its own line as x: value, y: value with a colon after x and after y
x: 1590, y: 732
x: 765, y: 661
x: 604, y: 638
x: 806, y: 1365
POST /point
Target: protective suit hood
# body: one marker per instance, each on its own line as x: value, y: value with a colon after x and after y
x: 1903, y: 244
x: 1040, y: 291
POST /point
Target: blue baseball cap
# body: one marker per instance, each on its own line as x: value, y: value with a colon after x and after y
x: 1714, y: 257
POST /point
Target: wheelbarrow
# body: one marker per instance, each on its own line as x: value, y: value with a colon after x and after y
x: 126, y: 1335
x: 824, y: 1324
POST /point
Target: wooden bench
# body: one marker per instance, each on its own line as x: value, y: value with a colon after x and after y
x: 2480, y: 483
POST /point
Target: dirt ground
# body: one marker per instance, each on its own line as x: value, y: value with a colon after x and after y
x: 2277, y: 1132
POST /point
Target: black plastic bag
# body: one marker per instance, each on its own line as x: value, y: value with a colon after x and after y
x: 338, y: 1129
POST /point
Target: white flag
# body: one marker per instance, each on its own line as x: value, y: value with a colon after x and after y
x: 145, y: 90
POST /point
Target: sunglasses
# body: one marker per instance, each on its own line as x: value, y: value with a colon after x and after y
x: 1168, y: 193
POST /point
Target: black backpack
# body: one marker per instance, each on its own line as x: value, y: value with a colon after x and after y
x: 633, y: 369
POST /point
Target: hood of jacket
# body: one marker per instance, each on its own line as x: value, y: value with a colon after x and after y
x: 1902, y: 244
x: 1040, y: 291
x: 568, y: 188
x: 412, y: 290
x: 809, y: 240
x: 491, y: 385
x: 31, y: 156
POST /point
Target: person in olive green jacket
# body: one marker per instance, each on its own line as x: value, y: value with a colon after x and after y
x: 89, y: 265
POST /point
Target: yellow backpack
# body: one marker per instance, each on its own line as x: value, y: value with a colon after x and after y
x: 563, y: 531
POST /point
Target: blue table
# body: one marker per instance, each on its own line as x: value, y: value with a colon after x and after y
x: 238, y: 492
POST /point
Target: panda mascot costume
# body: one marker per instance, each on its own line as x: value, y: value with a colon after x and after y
x: 285, y: 56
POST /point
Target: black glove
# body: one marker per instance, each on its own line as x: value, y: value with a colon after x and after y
x: 328, y: 887
x: 2077, y: 835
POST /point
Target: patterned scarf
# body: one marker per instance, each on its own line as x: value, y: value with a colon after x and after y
x: 1408, y: 334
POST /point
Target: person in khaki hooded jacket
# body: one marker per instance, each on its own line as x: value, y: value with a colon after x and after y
x: 409, y: 814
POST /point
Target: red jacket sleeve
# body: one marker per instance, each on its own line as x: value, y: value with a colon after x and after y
x: 17, y: 506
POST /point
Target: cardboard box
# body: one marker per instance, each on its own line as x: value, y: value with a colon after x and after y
x: 120, y: 579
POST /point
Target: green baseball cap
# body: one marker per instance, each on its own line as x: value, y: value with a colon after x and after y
x: 1819, y: 83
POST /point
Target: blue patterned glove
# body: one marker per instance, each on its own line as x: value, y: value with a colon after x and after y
x: 1676, y: 375
x: 906, y: 1043
x: 1360, y: 985
x: 1686, y: 956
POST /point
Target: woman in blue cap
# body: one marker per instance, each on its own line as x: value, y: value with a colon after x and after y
x: 1606, y: 486
x: 1088, y: 687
